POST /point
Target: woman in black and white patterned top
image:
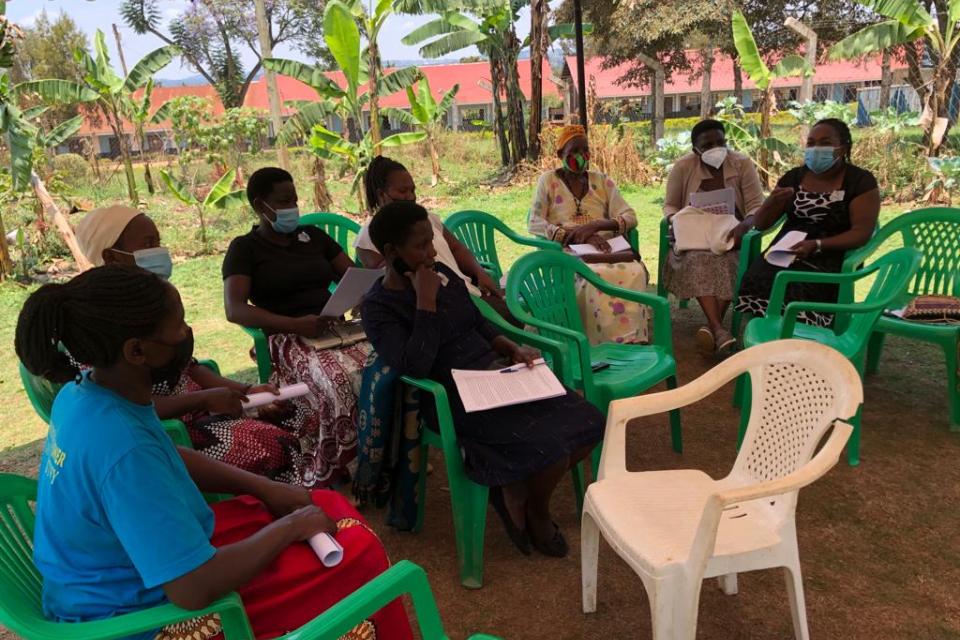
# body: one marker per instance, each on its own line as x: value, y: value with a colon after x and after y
x: 834, y: 202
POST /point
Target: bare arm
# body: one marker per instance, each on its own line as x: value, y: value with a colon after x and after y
x: 370, y: 259
x: 236, y: 293
x: 864, y: 211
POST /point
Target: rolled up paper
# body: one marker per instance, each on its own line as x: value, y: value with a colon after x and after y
x: 263, y: 398
x: 327, y: 549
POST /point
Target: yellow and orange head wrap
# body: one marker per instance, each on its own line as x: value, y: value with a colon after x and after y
x: 568, y: 133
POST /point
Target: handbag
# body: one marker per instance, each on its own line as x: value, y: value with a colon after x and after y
x: 697, y: 230
x: 933, y: 309
x: 342, y: 334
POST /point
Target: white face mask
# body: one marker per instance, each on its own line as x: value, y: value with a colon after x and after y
x: 714, y: 157
x: 156, y: 260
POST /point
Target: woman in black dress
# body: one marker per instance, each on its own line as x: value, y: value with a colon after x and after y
x: 833, y: 201
x: 421, y: 320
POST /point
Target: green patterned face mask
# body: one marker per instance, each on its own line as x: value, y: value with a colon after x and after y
x: 576, y: 162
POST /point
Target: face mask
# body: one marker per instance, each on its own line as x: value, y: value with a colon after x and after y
x: 156, y: 260
x: 819, y: 159
x: 577, y: 162
x: 169, y: 374
x: 287, y: 219
x: 714, y: 157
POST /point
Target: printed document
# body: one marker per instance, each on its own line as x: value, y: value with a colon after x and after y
x: 350, y: 291
x: 781, y: 254
x: 617, y: 244
x: 483, y: 390
x: 721, y: 201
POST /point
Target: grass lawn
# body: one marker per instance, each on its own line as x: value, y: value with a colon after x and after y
x: 877, y: 542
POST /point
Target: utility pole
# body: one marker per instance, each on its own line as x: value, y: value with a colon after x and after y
x: 266, y: 51
x: 806, y: 88
x: 123, y: 61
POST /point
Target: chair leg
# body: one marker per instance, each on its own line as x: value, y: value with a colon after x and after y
x: 874, y: 350
x: 579, y: 486
x: 673, y: 608
x: 853, y: 445
x: 798, y: 607
x: 953, y: 384
x: 589, y: 557
x: 422, y: 488
x: 728, y: 584
x: 469, y: 503
x: 684, y: 303
x: 676, y: 437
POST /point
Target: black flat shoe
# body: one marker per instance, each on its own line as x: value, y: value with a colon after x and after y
x: 518, y: 536
x: 555, y: 546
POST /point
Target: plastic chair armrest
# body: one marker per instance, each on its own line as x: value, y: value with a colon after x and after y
x: 795, y: 308
x: 230, y: 608
x: 262, y: 350
x: 825, y: 459
x: 583, y: 346
x: 530, y: 241
x: 784, y: 278
x: 400, y: 579
x: 178, y: 433
x: 210, y: 364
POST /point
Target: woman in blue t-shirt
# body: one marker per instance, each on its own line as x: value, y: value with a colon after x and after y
x: 121, y: 523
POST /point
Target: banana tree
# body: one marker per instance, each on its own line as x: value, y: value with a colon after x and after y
x: 491, y: 30
x: 137, y: 111
x: 219, y: 197
x: 428, y: 115
x: 112, y: 92
x: 355, y: 144
x: 907, y: 22
x: 763, y: 76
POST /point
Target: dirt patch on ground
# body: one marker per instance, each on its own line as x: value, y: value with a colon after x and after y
x: 879, y: 544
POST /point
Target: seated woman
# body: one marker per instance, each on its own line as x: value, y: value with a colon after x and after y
x: 421, y: 321
x: 834, y: 202
x: 121, y: 525
x: 704, y: 275
x: 573, y: 205
x: 387, y: 181
x: 208, y: 404
x: 277, y: 278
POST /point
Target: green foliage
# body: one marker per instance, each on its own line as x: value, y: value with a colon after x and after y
x: 219, y: 197
x: 671, y: 148
x: 808, y: 113
x: 238, y: 131
x: 946, y: 175
x: 72, y: 169
x: 891, y: 120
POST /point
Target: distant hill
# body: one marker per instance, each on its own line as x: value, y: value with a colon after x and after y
x: 189, y: 81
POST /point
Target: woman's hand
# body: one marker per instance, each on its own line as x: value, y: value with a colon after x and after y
x: 804, y: 248
x: 282, y: 499
x: 581, y: 233
x: 312, y: 326
x: 264, y: 388
x: 224, y: 401
x: 426, y: 283
x: 308, y: 521
x: 525, y: 355
x: 487, y: 286
x: 599, y: 243
x: 609, y: 258
x: 736, y: 234
x: 780, y: 196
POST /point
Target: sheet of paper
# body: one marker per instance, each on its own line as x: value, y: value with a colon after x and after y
x: 780, y: 255
x: 255, y: 400
x: 483, y: 390
x: 617, y: 244
x: 327, y: 549
x: 721, y: 201
x: 350, y: 291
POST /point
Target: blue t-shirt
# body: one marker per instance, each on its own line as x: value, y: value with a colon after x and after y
x: 117, y: 513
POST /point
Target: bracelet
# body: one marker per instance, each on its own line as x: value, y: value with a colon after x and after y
x: 819, y: 245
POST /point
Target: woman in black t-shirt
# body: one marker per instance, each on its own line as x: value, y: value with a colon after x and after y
x: 834, y: 202
x: 277, y: 278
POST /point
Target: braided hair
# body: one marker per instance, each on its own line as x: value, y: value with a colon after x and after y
x: 91, y: 316
x: 376, y: 177
x: 843, y: 131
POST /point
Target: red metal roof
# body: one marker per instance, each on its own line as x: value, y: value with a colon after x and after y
x: 830, y: 72
x: 160, y: 95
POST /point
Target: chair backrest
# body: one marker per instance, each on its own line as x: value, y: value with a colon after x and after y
x: 20, y: 583
x: 343, y: 230
x: 799, y: 387
x: 40, y: 391
x: 893, y: 274
x: 935, y: 232
x: 475, y: 229
x: 542, y: 284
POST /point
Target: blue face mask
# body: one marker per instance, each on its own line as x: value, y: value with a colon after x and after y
x: 156, y: 260
x: 287, y: 219
x: 819, y: 159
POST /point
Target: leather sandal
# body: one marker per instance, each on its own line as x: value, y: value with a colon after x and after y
x: 518, y: 536
x: 555, y: 547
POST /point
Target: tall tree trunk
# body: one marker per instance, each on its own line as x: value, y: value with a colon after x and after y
x: 738, y: 82
x: 374, y: 64
x: 886, y: 79
x: 59, y: 220
x: 147, y: 174
x: 537, y: 19
x: 117, y: 126
x: 935, y: 128
x: 656, y: 94
x: 434, y: 159
x: 6, y: 264
x: 518, y: 133
x: 93, y: 151
x: 766, y: 112
x: 499, y: 124
x: 706, y: 103
x: 321, y: 196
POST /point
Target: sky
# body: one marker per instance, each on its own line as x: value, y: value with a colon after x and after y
x: 101, y: 14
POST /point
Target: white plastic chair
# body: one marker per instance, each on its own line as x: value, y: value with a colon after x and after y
x: 676, y: 528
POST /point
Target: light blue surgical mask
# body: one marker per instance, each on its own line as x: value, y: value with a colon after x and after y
x: 287, y: 219
x: 819, y: 159
x: 156, y: 260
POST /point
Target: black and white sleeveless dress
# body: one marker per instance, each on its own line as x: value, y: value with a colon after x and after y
x: 820, y: 215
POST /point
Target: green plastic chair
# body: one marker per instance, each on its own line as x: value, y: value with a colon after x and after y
x: 341, y: 229
x: 21, y: 610
x: 851, y: 334
x: 475, y: 229
x: 41, y: 393
x: 540, y: 292
x: 469, y: 500
x: 935, y: 232
x: 662, y: 263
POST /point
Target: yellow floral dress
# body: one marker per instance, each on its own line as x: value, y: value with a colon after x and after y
x: 554, y: 210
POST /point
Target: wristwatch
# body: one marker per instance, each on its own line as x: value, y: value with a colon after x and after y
x: 819, y: 245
